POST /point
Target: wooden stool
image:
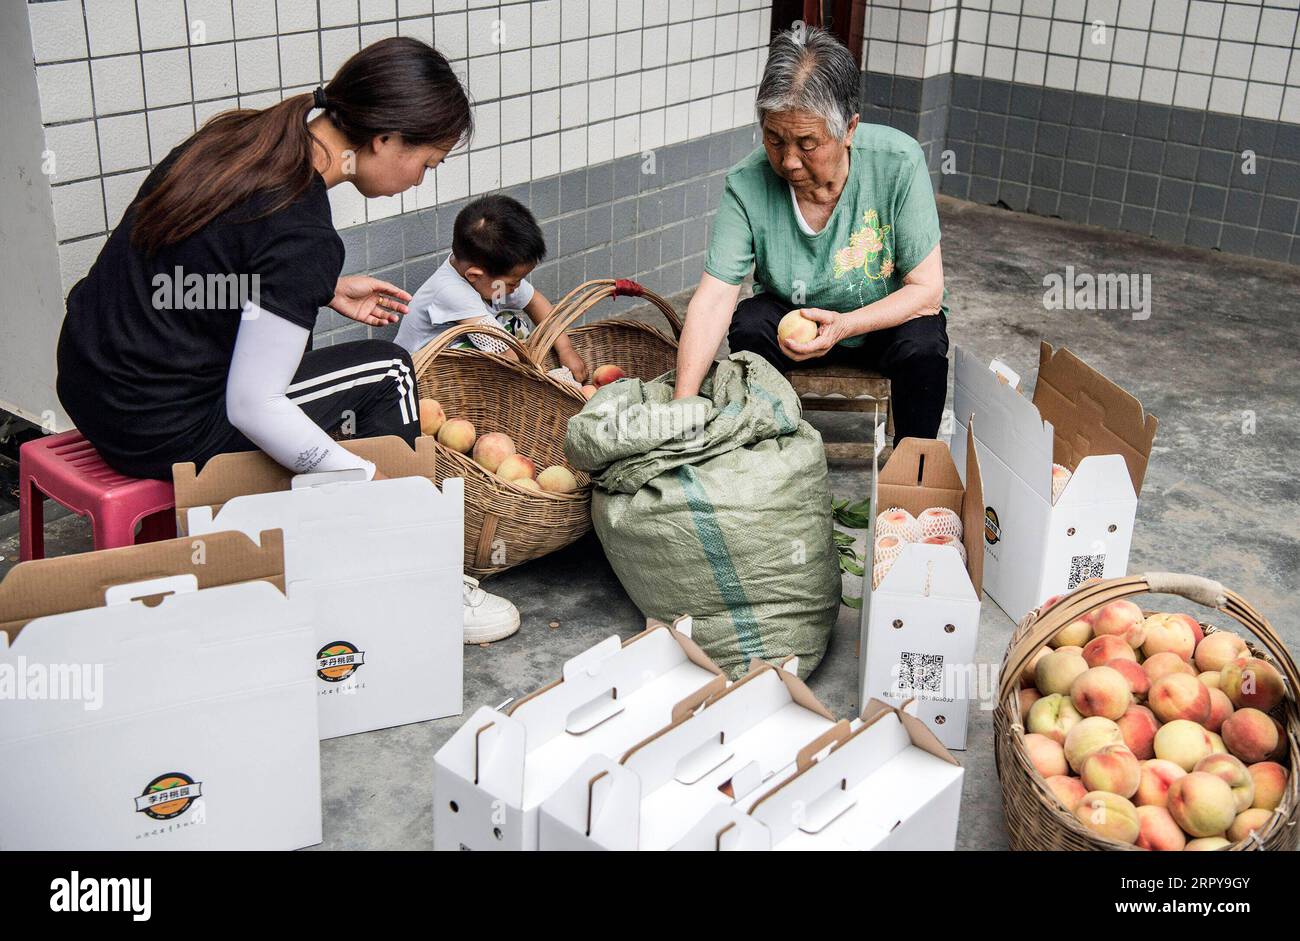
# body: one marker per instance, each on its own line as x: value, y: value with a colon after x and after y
x: 845, y: 388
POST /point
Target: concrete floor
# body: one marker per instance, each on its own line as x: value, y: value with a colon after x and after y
x: 1223, y: 340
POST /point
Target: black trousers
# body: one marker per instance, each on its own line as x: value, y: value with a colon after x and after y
x: 362, y: 389
x: 913, y: 356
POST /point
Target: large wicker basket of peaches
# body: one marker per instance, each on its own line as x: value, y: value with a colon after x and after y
x: 1120, y: 729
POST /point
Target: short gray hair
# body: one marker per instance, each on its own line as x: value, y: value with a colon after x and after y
x: 808, y: 69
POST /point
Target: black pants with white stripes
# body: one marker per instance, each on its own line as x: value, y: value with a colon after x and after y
x: 363, y: 389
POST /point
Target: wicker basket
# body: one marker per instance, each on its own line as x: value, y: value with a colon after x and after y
x: 505, y: 524
x: 1035, y: 819
x: 643, y: 351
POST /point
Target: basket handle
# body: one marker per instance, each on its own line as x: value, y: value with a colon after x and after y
x: 429, y: 352
x: 581, y: 299
x: 1087, y: 598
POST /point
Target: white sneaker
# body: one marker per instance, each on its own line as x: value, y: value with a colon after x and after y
x: 488, y: 617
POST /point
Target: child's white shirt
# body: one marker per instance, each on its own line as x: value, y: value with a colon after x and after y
x: 446, y: 298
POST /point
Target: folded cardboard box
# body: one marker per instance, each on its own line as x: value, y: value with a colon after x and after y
x: 155, y: 698
x: 377, y: 563
x: 755, y: 732
x: 1034, y: 548
x: 493, y: 774
x: 887, y: 785
x: 919, y: 627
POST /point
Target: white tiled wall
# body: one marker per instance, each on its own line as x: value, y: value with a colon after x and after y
x: 1234, y: 57
x: 557, y: 84
x: 913, y: 38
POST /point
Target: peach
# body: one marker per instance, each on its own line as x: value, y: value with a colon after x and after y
x: 1234, y: 774
x: 604, y: 375
x: 1162, y: 664
x: 1183, y: 742
x: 1112, y: 768
x: 1068, y: 790
x: 1058, y: 671
x: 1158, y: 831
x: 527, y: 483
x: 1249, y: 681
x: 1210, y: 678
x: 1139, y: 684
x: 1250, y: 735
x: 1101, y: 691
x: 493, y: 448
x: 1047, y: 756
x: 1207, y: 843
x: 1220, y: 709
x: 1122, y: 619
x: 516, y: 467
x: 457, y: 434
x: 1028, y: 697
x: 795, y: 326
x: 1218, y: 650
x: 1247, y: 822
x: 1075, y: 634
x: 1171, y: 633
x: 1279, y: 753
x: 1270, y: 784
x: 1157, y: 775
x: 1179, y: 696
x: 588, y: 391
x: 1106, y: 647
x: 431, y: 416
x: 1216, y: 743
x: 1071, y: 648
x: 1089, y: 735
x: 1202, y: 804
x: 557, y: 479
x: 1053, y: 716
x: 1109, y: 815
x: 1029, y: 675
x: 1138, y: 725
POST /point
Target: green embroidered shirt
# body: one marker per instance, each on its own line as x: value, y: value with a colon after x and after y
x: 883, y: 226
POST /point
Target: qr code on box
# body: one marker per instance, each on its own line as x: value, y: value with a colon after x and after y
x: 1084, y: 567
x: 920, y: 672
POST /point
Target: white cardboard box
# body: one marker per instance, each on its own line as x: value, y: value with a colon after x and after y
x: 378, y: 563
x: 492, y: 775
x: 920, y: 627
x: 757, y: 731
x: 889, y: 785
x: 1078, y: 418
x: 205, y: 735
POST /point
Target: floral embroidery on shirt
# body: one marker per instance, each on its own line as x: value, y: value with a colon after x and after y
x: 869, y: 250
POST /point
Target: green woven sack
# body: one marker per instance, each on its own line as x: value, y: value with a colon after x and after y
x: 717, y: 506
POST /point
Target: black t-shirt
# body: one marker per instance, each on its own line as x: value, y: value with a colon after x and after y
x: 147, y: 340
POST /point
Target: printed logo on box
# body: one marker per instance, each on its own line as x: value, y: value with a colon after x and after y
x: 168, y: 796
x: 992, y: 531
x: 337, y: 661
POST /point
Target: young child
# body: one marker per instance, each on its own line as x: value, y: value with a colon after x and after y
x: 495, y: 245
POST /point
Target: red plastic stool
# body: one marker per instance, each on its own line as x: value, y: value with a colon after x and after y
x: 68, y: 470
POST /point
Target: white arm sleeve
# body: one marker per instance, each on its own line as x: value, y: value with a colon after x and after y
x: 268, y: 351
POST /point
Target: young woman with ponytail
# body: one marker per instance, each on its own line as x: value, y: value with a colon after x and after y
x: 189, y: 335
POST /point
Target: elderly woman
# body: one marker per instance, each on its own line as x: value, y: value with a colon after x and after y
x: 838, y: 220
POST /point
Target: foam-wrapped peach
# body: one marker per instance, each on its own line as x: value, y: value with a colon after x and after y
x: 1202, y: 804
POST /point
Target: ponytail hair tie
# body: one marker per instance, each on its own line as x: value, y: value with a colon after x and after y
x: 319, y: 99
